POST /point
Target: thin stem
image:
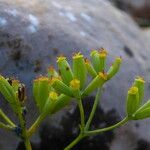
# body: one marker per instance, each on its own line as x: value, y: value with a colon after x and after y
x: 94, y: 132
x: 93, y: 109
x: 4, y: 116
x: 24, y: 131
x: 7, y: 127
x: 27, y: 144
x: 74, y: 142
x: 81, y: 135
x: 82, y: 116
x: 36, y: 124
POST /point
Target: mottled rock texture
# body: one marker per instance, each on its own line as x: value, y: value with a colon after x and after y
x: 33, y: 33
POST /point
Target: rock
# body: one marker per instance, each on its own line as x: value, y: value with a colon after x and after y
x: 33, y: 34
x: 140, y: 10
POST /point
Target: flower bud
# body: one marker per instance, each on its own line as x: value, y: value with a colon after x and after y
x: 143, y: 112
x: 75, y: 86
x: 53, y: 95
x: 51, y: 72
x: 140, y: 83
x: 102, y: 57
x: 79, y: 69
x: 62, y: 88
x: 62, y: 101
x: 132, y: 101
x: 8, y: 92
x: 114, y: 68
x: 15, y: 84
x: 21, y: 93
x: 41, y: 88
x: 98, y: 81
x: 95, y: 60
x: 90, y: 68
x: 50, y: 103
x: 64, y: 70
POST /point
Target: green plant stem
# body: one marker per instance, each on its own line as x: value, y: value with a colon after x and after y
x: 24, y: 135
x: 36, y: 124
x: 82, y: 116
x: 93, y: 109
x: 74, y: 142
x: 4, y: 116
x: 94, y: 132
x: 81, y: 135
x: 7, y: 127
x: 27, y: 144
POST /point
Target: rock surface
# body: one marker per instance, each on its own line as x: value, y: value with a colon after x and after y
x: 33, y: 33
x: 139, y: 9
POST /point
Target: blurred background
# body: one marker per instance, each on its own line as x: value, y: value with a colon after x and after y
x: 33, y: 33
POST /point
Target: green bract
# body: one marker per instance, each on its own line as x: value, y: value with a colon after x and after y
x: 140, y: 83
x: 9, y: 93
x: 99, y: 59
x: 132, y: 101
x: 102, y: 57
x: 90, y: 68
x: 114, y: 68
x: 41, y: 89
x: 51, y: 72
x: 143, y: 112
x: 98, y: 81
x: 61, y: 102
x: 79, y: 69
x: 50, y: 103
x: 61, y: 87
x: 95, y: 60
x: 64, y: 70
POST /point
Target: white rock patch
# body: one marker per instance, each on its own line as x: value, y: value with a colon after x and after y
x: 82, y: 33
x: 31, y: 29
x: 34, y: 23
x: 33, y: 20
x: 56, y: 4
x: 70, y: 16
x: 12, y: 12
x: 3, y: 22
x: 86, y: 17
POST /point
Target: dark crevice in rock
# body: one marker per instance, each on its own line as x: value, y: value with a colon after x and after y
x: 143, y: 145
x: 128, y: 51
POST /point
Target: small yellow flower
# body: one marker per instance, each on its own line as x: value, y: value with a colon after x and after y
x: 133, y: 90
x: 103, y: 75
x: 77, y: 55
x: 118, y: 59
x: 140, y: 79
x: 102, y: 53
x: 53, y: 95
x: 41, y: 78
x: 75, y: 84
x: 61, y: 58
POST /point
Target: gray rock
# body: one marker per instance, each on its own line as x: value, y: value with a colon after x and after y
x: 133, y: 3
x: 33, y: 34
x: 139, y: 9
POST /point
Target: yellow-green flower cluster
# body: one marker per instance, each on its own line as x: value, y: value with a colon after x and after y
x: 70, y: 80
x: 135, y: 109
x: 54, y: 91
